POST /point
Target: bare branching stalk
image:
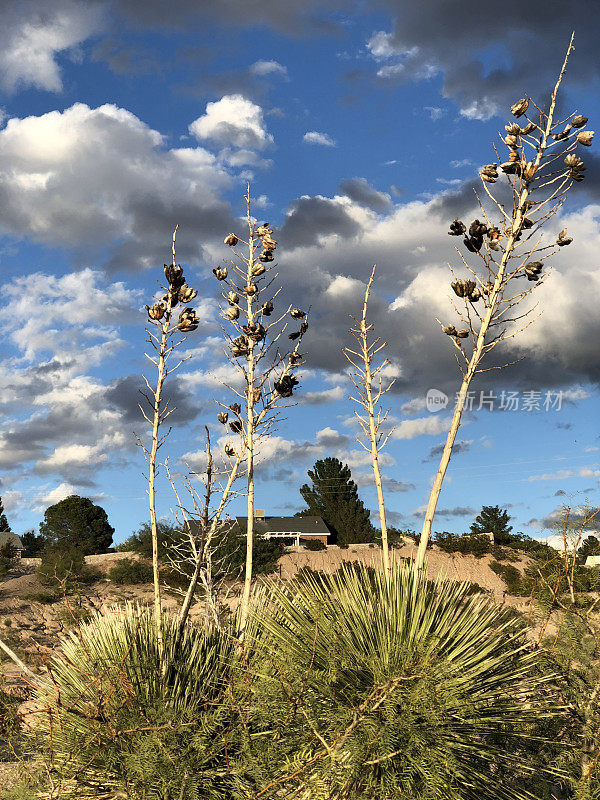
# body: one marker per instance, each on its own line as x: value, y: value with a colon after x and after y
x: 541, y: 169
x: 366, y: 374
x: 203, y: 524
x: 264, y: 367
x: 163, y: 342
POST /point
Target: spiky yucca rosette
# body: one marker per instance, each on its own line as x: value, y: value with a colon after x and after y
x: 112, y: 727
x: 393, y: 690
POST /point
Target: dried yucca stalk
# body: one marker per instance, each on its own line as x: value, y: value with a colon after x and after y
x: 541, y: 168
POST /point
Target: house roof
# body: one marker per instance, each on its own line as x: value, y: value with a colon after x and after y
x: 9, y: 536
x: 303, y: 525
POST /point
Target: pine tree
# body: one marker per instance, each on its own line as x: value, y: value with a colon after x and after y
x: 334, y: 496
x: 4, y: 526
x: 493, y: 520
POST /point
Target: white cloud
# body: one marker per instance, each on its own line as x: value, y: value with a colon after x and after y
x: 233, y: 120
x: 262, y: 68
x: 33, y: 35
x: 89, y: 177
x: 54, y: 496
x: 583, y: 472
x: 423, y: 426
x: 314, y: 137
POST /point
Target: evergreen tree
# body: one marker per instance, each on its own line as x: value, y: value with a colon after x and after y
x: 589, y: 547
x: 33, y: 543
x: 334, y: 496
x: 77, y: 522
x: 4, y: 526
x: 493, y: 520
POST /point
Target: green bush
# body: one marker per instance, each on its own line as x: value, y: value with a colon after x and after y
x: 467, y: 544
x: 7, y: 555
x: 63, y: 567
x: 41, y: 597
x: 315, y: 544
x: 511, y: 576
x: 130, y: 571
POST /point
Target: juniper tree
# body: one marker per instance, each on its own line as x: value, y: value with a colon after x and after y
x: 541, y: 167
x: 265, y: 367
x: 367, y: 380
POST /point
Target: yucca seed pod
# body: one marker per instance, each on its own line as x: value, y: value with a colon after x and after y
x: 255, y: 332
x: 229, y: 451
x: 295, y: 335
x: 296, y: 313
x: 257, y: 270
x: 157, y: 311
x: 489, y: 173
x: 520, y: 107
x: 235, y: 425
x: 240, y: 346
x: 527, y: 223
x: 266, y: 256
x: 513, y: 129
x: 267, y: 309
x: 457, y: 228
x: 263, y: 229
x: 511, y: 141
x: 494, y: 234
x: 473, y: 244
x: 511, y: 167
x: 232, y: 313
x: 188, y: 320
x: 579, y: 121
x: 186, y: 294
x: 477, y: 228
x: 560, y: 137
x: 487, y: 287
x: 250, y: 289
x: 585, y: 138
x: 231, y: 240
x: 174, y: 275
x: 223, y: 416
x: 458, y: 287
x: 235, y: 407
x: 220, y: 273
x: 303, y: 328
x: 528, y: 170
x: 256, y: 395
x: 233, y: 298
x: 572, y: 160
x: 529, y: 128
x: 513, y: 156
x: 295, y: 358
x: 450, y: 330
x: 576, y: 176
x: 563, y: 239
x: 268, y: 242
x: 285, y: 385
x: 462, y: 334
x: 475, y: 295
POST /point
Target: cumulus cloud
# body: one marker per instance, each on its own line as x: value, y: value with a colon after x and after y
x: 233, y: 121
x: 272, y: 67
x: 33, y: 34
x: 359, y: 190
x: 323, y: 139
x: 72, y: 179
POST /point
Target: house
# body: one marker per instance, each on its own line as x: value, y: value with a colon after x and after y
x: 8, y: 537
x: 296, y: 531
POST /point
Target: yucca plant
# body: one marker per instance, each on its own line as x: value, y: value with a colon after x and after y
x: 111, y: 726
x: 398, y: 689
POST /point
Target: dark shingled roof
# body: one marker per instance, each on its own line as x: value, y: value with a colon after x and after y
x: 303, y: 525
x: 9, y: 536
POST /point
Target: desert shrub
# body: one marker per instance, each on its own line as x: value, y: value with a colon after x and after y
x: 117, y: 726
x: 130, y: 571
x: 315, y: 545
x: 7, y: 555
x: 439, y: 677
x: 63, y: 566
x: 472, y: 587
x: 467, y: 544
x: 140, y: 541
x: 43, y: 597
x: 72, y: 614
x: 511, y: 576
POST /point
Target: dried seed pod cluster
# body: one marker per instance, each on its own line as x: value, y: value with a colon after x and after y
x: 562, y: 239
x: 285, y: 385
x: 188, y: 320
x: 466, y: 289
x: 533, y: 270
x: 489, y: 173
x: 178, y: 292
x: 576, y: 167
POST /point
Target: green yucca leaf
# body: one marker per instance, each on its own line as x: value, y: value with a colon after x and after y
x: 440, y: 691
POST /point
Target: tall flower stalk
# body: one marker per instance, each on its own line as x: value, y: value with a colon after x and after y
x: 541, y: 168
x: 164, y: 342
x: 367, y: 380
x: 255, y: 349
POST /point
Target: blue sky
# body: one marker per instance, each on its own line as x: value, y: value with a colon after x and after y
x: 361, y: 127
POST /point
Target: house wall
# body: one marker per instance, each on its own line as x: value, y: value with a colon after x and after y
x: 306, y: 537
